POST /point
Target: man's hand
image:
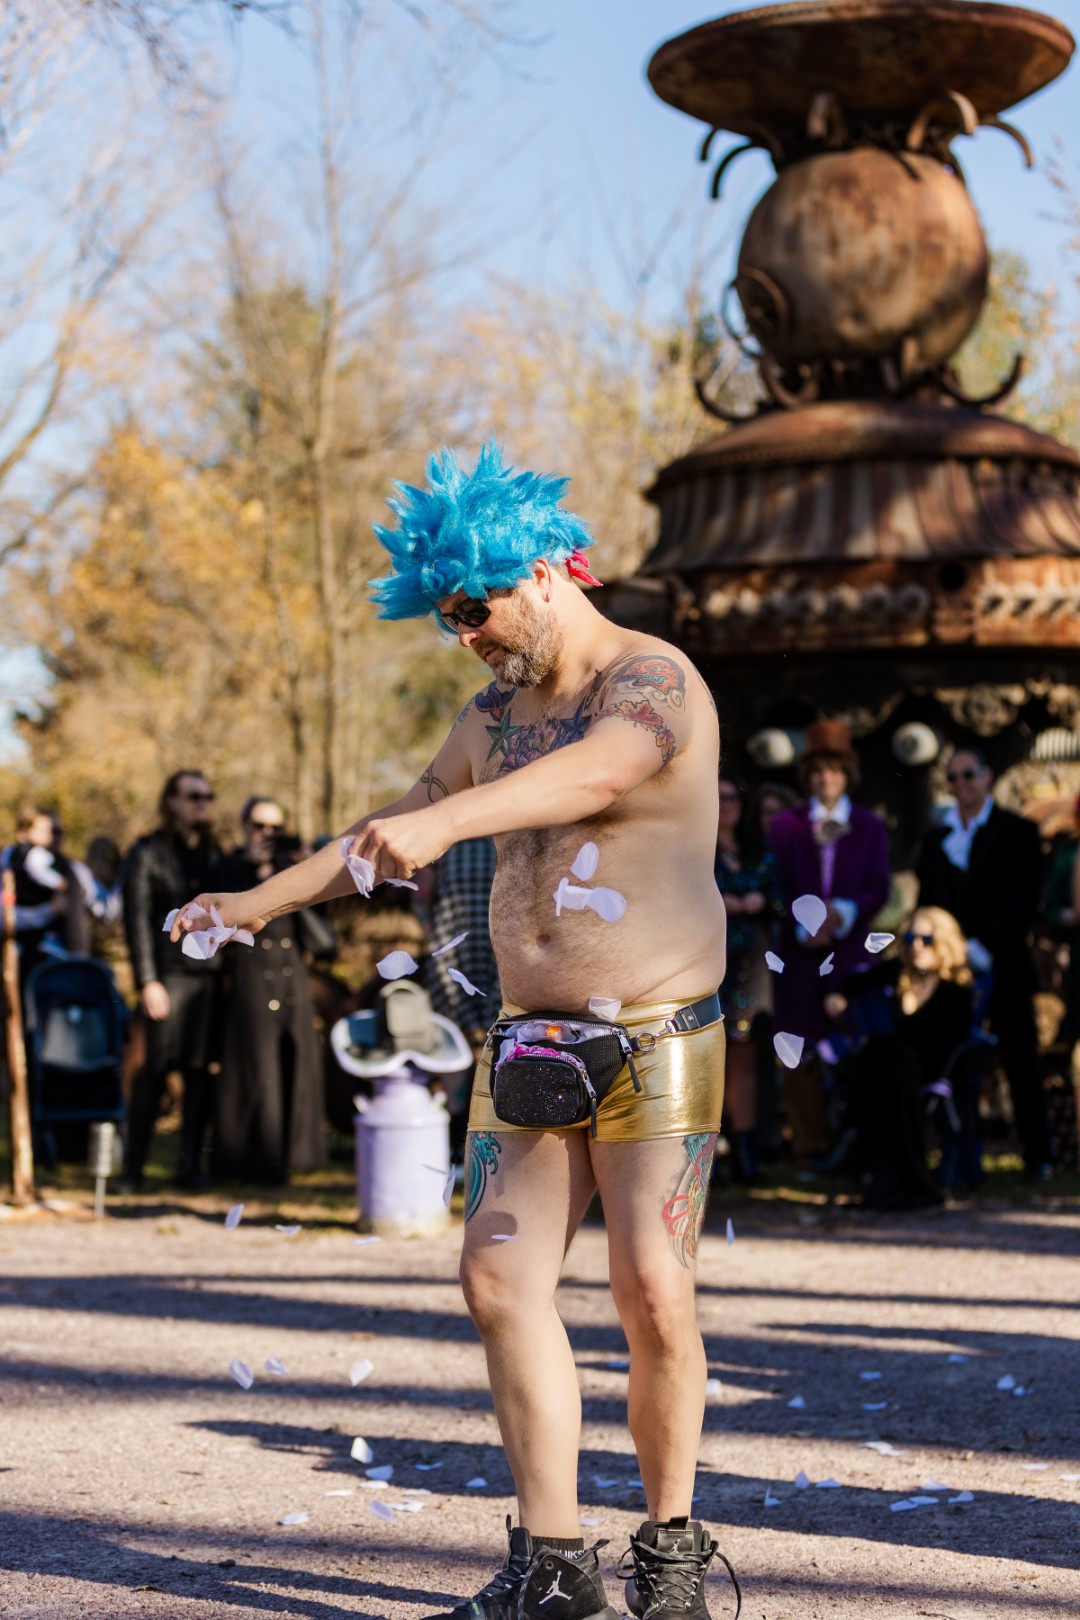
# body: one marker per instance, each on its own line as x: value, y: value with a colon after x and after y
x: 155, y: 1001
x: 398, y: 846
x: 235, y: 911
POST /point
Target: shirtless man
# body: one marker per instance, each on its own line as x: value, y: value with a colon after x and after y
x: 588, y: 733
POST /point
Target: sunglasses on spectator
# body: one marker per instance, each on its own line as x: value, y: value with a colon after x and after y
x: 470, y: 613
x: 963, y: 776
x: 918, y: 939
x: 267, y: 826
x: 200, y: 798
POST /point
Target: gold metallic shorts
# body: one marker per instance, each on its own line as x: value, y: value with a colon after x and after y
x: 682, y: 1082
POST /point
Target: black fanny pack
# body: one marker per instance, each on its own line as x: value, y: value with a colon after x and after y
x: 550, y: 1072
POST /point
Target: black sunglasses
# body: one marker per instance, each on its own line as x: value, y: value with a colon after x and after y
x: 199, y: 798
x: 963, y: 776
x: 470, y: 613
x: 921, y: 939
x: 266, y: 826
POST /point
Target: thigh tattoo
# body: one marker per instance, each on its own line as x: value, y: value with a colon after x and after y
x: 483, y: 1163
x: 684, y: 1211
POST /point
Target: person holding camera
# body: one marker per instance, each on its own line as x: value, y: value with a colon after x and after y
x: 268, y: 1109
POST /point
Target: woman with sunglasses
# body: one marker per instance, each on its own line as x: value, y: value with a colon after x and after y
x: 915, y: 1013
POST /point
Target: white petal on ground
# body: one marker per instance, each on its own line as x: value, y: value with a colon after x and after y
x: 287, y: 1231
x: 788, y: 1048
x: 294, y: 1518
x: 603, y: 1484
x: 385, y: 1471
x: 406, y: 1507
x: 374, y: 1484
x: 402, y: 883
x: 713, y: 1388
x: 730, y: 1233
x: 934, y: 1485
x: 477, y: 1484
x: 957, y: 1357
x: 963, y: 1496
x: 359, y: 1242
x: 774, y: 963
x: 415, y: 1490
x: 884, y: 1448
x: 902, y: 1507
x: 382, y: 1510
x: 878, y: 942
x: 810, y: 912
x: 870, y: 1377
x: 827, y: 966
x: 874, y: 1406
x: 451, y: 945
x: 459, y: 978
x: 360, y: 870
x: 339, y: 1493
x: 398, y: 965
x: 608, y: 904
x: 828, y: 1485
x: 923, y: 1501
x: 427, y: 1468
x: 771, y: 1500
x: 361, y: 1452
x: 584, y: 1520
x: 569, y: 896
x: 586, y: 861
x: 357, y: 1373
x: 604, y: 1006
x: 797, y: 1403
x: 241, y: 1372
x: 1020, y: 1390
x: 234, y: 1217
x: 1072, y: 1478
x: 275, y: 1366
x: 1029, y: 1468
x: 1007, y: 1381
x: 618, y: 1365
x: 802, y: 1481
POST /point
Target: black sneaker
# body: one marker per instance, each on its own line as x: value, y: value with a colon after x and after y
x: 667, y: 1568
x: 534, y: 1577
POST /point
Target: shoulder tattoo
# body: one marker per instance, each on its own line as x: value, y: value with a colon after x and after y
x: 638, y: 688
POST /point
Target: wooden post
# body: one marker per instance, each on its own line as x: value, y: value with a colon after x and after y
x: 22, y: 1151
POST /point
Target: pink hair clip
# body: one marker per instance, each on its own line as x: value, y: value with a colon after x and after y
x: 578, y: 568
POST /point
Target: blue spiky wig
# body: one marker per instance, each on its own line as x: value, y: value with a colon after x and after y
x: 474, y: 532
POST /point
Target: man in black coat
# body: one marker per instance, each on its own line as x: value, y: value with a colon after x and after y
x: 180, y: 995
x: 983, y: 865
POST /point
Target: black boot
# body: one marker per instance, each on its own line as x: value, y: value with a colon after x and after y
x: 667, y: 1565
x: 534, y: 1577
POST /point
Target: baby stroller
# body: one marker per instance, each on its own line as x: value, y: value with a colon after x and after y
x: 76, y: 1023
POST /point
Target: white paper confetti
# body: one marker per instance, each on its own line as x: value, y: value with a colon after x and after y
x: 374, y: 1484
x: 241, y: 1372
x: 603, y: 1484
x: 385, y: 1471
x: 618, y: 1365
x: 275, y: 1366
x: 797, y: 1403
x: 451, y: 1182
x: 604, y: 1007
x: 1029, y: 1468
x: 774, y: 963
x: 884, y: 1448
x: 730, y: 1231
x: 382, y: 1510
x: 713, y: 1389
x: 569, y: 897
x: 459, y: 978
x: 589, y: 1520
x: 1020, y: 1390
x: 361, y: 1452
x: 234, y: 1217
x: 874, y: 1406
x: 1072, y: 1478
x: 407, y: 1507
x: 397, y: 965
x: 586, y: 861
x: 963, y: 1496
x: 339, y: 1493
x: 402, y: 883
x: 360, y: 870
x: 288, y: 1231
x: 934, y: 1485
x: 358, y: 1372
x: 809, y: 912
x: 904, y: 1506
x: 415, y: 1490
x: 451, y: 945
x: 956, y: 1357
x: 202, y: 943
x: 1006, y: 1382
x: 802, y: 1481
x: 870, y: 1377
x: 828, y: 1485
x: 827, y: 966
x: 294, y: 1518
x: 771, y: 1500
x: 477, y: 1484
x: 505, y: 1237
x: 428, y: 1468
x: 608, y: 904
x: 360, y: 1242
x: 878, y: 942
x: 788, y: 1048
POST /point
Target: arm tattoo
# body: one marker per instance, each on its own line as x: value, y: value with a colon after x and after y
x: 649, y: 679
x: 684, y: 1211
x: 483, y: 1163
x: 436, y: 787
x: 640, y: 712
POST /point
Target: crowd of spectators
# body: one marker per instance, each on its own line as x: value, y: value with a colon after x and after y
x: 897, y: 1051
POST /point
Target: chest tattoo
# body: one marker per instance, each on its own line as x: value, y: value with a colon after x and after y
x: 517, y: 745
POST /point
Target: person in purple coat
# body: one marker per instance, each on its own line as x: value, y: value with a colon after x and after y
x: 836, y: 850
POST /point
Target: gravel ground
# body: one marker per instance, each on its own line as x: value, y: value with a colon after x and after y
x: 138, y: 1479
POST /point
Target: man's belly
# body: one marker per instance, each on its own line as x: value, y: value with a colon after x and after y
x: 668, y: 945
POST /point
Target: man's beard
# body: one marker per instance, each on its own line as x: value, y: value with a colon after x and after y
x: 530, y: 648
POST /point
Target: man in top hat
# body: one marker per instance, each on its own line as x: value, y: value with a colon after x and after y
x: 832, y: 848
x: 592, y: 759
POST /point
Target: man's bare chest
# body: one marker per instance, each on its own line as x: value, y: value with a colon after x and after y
x: 513, y: 735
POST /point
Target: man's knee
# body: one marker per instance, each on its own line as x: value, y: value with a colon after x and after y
x: 657, y: 1311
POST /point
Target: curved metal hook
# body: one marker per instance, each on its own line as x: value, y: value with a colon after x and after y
x: 950, y: 102
x: 738, y: 338
x: 995, y: 397
x: 993, y: 122
x: 788, y: 399
x: 729, y: 157
x: 954, y: 164
x: 720, y: 411
x: 706, y: 145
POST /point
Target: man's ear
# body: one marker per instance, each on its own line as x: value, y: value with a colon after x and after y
x: 543, y: 578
